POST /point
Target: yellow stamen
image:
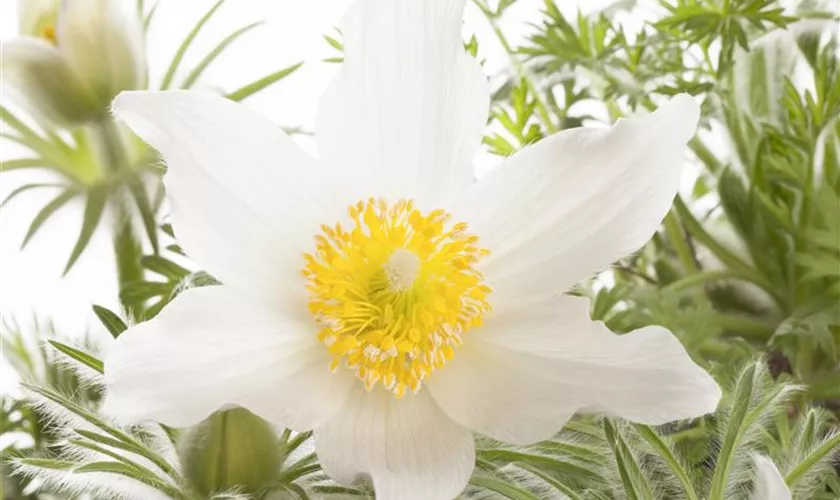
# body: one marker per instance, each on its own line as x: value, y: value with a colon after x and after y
x: 395, y: 292
x: 48, y: 33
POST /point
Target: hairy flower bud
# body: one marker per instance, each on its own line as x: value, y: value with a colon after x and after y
x: 104, y: 43
x: 43, y: 80
x: 232, y: 449
x: 74, y: 57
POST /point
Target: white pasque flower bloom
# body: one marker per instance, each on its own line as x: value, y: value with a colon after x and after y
x: 74, y: 56
x: 769, y: 483
x: 398, y: 333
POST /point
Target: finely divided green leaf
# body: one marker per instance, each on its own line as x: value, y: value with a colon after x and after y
x: 502, y: 487
x: 258, y: 85
x: 211, y: 56
x: 570, y: 493
x: 94, y: 207
x: 151, y: 15
x: 45, y: 213
x: 164, y: 267
x: 48, y: 463
x: 830, y: 445
x: 636, y: 486
x: 110, y: 320
x: 669, y: 457
x: 734, y: 431
x: 185, y: 45
x: 80, y: 356
x: 25, y: 188
x: 147, y: 213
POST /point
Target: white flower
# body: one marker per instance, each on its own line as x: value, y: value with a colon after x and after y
x: 769, y: 484
x: 70, y: 62
x: 382, y: 338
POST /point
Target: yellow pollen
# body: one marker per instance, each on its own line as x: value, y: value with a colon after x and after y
x: 48, y: 33
x: 394, y: 293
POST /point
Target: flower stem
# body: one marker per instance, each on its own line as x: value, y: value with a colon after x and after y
x: 725, y: 255
x: 747, y: 327
x: 127, y: 246
x: 707, y: 277
x: 521, y: 71
x: 705, y: 155
x: 678, y: 239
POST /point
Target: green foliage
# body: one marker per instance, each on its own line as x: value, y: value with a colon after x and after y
x: 759, y: 272
x: 26, y: 429
x: 709, y: 459
x: 590, y: 458
x: 727, y: 23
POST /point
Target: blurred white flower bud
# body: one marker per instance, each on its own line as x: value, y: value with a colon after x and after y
x: 38, y: 18
x: 103, y: 41
x: 74, y: 57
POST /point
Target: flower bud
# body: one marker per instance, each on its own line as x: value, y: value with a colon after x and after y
x: 43, y: 80
x: 73, y: 60
x: 103, y: 42
x: 232, y: 449
x: 38, y: 18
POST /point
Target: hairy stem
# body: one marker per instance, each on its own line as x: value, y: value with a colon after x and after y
x: 127, y: 247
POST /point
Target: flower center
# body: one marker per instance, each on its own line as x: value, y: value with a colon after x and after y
x: 401, y: 269
x: 394, y: 293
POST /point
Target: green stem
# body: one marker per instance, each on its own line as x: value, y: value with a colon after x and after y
x: 678, y: 239
x: 746, y: 327
x: 127, y: 248
x: 521, y: 71
x: 704, y: 154
x: 725, y: 255
x: 800, y: 241
x: 708, y: 277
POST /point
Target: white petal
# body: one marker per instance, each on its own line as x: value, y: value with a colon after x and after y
x: 566, y: 362
x: 407, y: 111
x: 407, y: 447
x: 246, y: 200
x: 560, y: 210
x: 103, y: 42
x: 213, y: 347
x: 482, y: 391
x: 769, y: 483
